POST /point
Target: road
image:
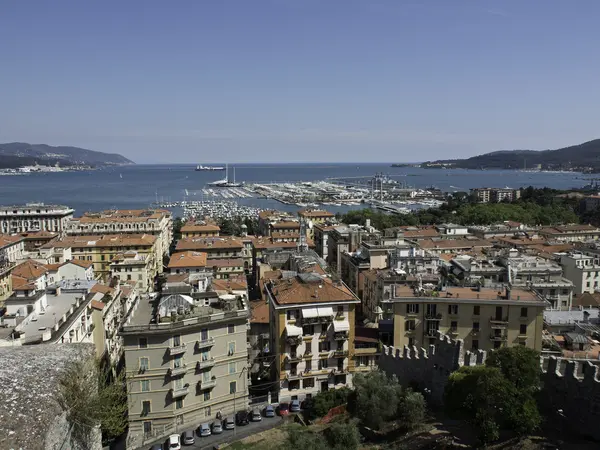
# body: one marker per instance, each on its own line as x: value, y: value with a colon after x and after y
x: 228, y: 436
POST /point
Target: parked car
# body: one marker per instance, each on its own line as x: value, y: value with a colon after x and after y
x: 156, y: 447
x: 269, y: 411
x: 229, y: 423
x: 255, y: 415
x: 284, y: 409
x: 241, y: 418
x: 217, y: 427
x: 204, y: 430
x: 187, y: 437
x: 174, y: 442
x: 295, y: 406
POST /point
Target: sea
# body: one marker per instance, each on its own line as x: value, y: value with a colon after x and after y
x: 139, y: 186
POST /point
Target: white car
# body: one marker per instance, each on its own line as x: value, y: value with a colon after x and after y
x: 174, y: 442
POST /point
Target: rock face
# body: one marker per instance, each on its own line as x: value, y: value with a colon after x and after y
x: 30, y: 416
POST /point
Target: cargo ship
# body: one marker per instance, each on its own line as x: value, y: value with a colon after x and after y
x: 200, y: 167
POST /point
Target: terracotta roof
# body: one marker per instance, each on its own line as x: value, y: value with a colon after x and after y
x: 325, y: 226
x: 178, y: 277
x: 80, y: 263
x: 259, y: 311
x: 262, y: 243
x: 232, y: 283
x: 267, y: 213
x: 102, y: 288
x: 106, y: 240
x: 587, y: 300
x: 225, y: 262
x: 297, y: 290
x: 196, y: 227
x: 315, y: 213
x: 123, y: 215
x: 187, y: 259
x: 53, y: 267
x: 209, y: 243
x: 453, y: 243
x: 97, y: 304
x: 285, y: 224
x: 30, y: 270
x: 41, y: 234
x: 6, y: 240
x: 420, y: 233
x: 285, y: 235
x: 370, y: 275
x: 17, y: 281
x: 462, y: 293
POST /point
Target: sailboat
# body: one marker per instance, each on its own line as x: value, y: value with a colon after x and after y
x: 225, y: 181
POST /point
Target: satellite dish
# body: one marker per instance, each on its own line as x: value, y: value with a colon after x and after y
x: 310, y: 224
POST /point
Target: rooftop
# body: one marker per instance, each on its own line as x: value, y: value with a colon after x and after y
x: 208, y: 243
x: 259, y: 312
x: 453, y: 243
x: 467, y: 293
x: 106, y: 240
x: 191, y: 227
x: 285, y: 224
x: 232, y: 283
x: 308, y: 288
x: 6, y: 240
x: 123, y: 215
x: 225, y: 262
x: 29, y: 377
x: 315, y: 213
x: 187, y: 259
x: 30, y: 270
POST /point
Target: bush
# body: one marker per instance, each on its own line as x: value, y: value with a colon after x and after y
x: 343, y: 436
x: 412, y: 409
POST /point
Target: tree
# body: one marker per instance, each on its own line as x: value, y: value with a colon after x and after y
x: 342, y: 436
x: 177, y: 225
x: 375, y: 399
x: 412, y: 409
x: 301, y: 438
x: 520, y: 365
x: 321, y: 403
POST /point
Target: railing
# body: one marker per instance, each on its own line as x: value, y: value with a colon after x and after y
x: 178, y: 371
x: 437, y: 316
x: 185, y: 322
x: 294, y: 357
x: 340, y: 316
x: 205, y: 364
x: 293, y: 340
x: 499, y: 337
x: 453, y: 330
x: 475, y: 332
x: 499, y: 321
x: 307, y: 355
x: 203, y: 343
x: 181, y: 392
x: 340, y: 335
x: 340, y: 353
x: 177, y: 350
x: 209, y: 384
x: 432, y: 333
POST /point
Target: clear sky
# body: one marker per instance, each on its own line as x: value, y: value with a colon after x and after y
x: 299, y: 80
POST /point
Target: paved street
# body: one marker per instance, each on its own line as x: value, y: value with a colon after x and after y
x: 228, y: 436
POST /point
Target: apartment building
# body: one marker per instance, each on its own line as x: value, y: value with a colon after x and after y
x: 34, y: 217
x: 347, y: 239
x: 155, y: 222
x: 186, y: 359
x: 495, y: 195
x: 583, y: 270
x: 187, y: 262
x: 367, y: 349
x: 312, y: 333
x: 226, y: 268
x: 134, y: 266
x: 32, y: 240
x: 102, y: 249
x: 459, y: 245
x: 484, y: 318
x: 268, y: 217
x: 314, y: 217
x: 571, y: 233
x: 320, y: 233
x: 6, y: 267
x: 223, y: 247
x: 193, y: 229
x: 12, y: 247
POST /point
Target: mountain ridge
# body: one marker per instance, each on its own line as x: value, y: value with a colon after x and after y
x: 16, y: 154
x: 580, y: 156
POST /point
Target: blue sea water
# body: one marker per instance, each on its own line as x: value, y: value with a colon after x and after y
x: 139, y: 186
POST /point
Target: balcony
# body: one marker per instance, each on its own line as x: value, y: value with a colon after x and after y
x: 308, y: 337
x: 178, y: 371
x: 293, y: 376
x: 432, y: 333
x: 453, y: 331
x: 411, y: 331
x: 307, y: 355
x: 340, y: 316
x: 499, y: 322
x: 293, y: 340
x: 206, y: 364
x: 205, y: 343
x: 339, y: 371
x: 340, y: 335
x: 475, y: 332
x: 322, y: 336
x: 366, y: 350
x: 522, y: 337
x: 498, y: 337
x: 181, y: 392
x: 340, y: 353
x: 209, y: 384
x: 436, y: 317
x: 177, y: 350
x: 293, y: 357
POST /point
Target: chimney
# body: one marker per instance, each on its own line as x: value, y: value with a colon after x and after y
x: 507, y: 292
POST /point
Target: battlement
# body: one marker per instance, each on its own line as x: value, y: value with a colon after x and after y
x: 581, y: 371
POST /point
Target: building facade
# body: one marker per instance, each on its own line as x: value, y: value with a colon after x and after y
x: 34, y: 217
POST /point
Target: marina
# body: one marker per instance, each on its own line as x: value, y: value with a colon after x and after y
x: 218, y: 210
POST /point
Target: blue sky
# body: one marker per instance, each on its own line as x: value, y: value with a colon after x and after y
x: 299, y: 80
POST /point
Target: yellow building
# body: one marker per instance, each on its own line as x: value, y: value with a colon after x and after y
x: 312, y: 333
x: 316, y: 216
x: 194, y: 229
x: 102, y: 250
x: 485, y: 319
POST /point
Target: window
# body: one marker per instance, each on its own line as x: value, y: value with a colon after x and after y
x: 497, y: 344
x: 204, y: 334
x: 409, y: 325
x: 179, y: 403
x: 291, y: 314
x: 206, y: 396
x: 206, y: 376
x: 340, y: 309
x: 475, y: 326
x: 230, y: 329
x: 452, y: 309
x: 205, y: 355
x: 147, y: 427
x: 177, y: 384
x: 176, y: 340
x: 144, y: 364
x: 308, y: 329
x: 207, y: 412
x: 145, y: 385
x: 146, y: 407
x: 431, y: 309
x: 308, y: 383
x: 475, y: 345
x: 232, y: 387
x: 128, y: 277
x: 476, y: 310
x: 178, y: 362
x: 411, y: 341
x: 454, y: 325
x: 412, y: 308
x: 143, y: 343
x: 231, y: 369
x: 324, y: 346
x: 523, y: 312
x: 231, y: 348
x: 323, y: 364
x: 523, y: 329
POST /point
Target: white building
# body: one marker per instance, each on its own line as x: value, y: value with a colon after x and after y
x: 133, y: 266
x: 583, y: 270
x: 12, y: 247
x: 34, y: 217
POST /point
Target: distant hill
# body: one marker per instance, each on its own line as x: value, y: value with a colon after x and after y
x: 582, y: 156
x: 16, y: 154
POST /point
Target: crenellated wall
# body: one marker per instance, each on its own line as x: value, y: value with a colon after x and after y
x: 430, y: 368
x: 571, y: 394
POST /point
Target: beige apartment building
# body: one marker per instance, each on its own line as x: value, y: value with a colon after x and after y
x: 312, y: 333
x: 102, y: 249
x: 156, y: 222
x: 135, y: 267
x: 34, y: 217
x: 197, y: 229
x: 485, y: 319
x: 314, y: 217
x: 186, y: 359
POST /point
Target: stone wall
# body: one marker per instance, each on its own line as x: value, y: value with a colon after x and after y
x: 430, y: 368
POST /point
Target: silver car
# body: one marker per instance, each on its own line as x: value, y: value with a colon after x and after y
x: 229, y: 423
x: 217, y: 427
x: 255, y: 415
x: 187, y: 437
x: 205, y: 430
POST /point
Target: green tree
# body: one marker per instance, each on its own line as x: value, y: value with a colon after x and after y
x: 301, y: 438
x: 376, y: 398
x: 177, y: 224
x: 321, y: 403
x: 412, y: 409
x: 343, y: 436
x: 519, y: 364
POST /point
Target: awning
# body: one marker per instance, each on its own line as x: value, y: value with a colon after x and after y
x: 325, y: 311
x: 293, y: 330
x: 309, y: 313
x: 341, y: 325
